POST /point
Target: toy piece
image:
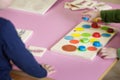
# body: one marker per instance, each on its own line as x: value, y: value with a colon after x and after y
x: 95, y: 25
x: 85, y: 18
x: 97, y: 20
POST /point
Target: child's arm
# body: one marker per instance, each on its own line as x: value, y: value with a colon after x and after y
x: 15, y: 50
x: 110, y: 15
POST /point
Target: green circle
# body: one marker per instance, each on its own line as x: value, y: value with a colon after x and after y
x: 104, y: 27
x: 84, y: 40
x: 86, y: 34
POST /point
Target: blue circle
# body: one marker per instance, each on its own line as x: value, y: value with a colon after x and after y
x: 97, y: 44
x: 106, y: 35
x: 68, y: 37
x: 82, y: 48
x: 86, y: 26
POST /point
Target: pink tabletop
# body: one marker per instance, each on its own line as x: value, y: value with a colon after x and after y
x: 50, y: 28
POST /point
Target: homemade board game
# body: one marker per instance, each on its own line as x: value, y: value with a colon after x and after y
x: 85, y: 40
x: 35, y: 6
x: 24, y: 34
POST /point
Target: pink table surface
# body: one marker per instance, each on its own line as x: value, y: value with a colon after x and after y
x: 50, y: 28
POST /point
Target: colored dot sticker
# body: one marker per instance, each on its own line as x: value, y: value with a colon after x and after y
x: 82, y: 48
x: 68, y: 37
x: 69, y: 48
x: 86, y: 34
x: 104, y: 28
x: 92, y: 48
x: 106, y: 35
x: 84, y: 40
x: 74, y: 41
x: 96, y: 35
x: 78, y: 29
x: 75, y: 34
x: 93, y: 39
x: 87, y: 26
x: 97, y: 44
x: 110, y: 30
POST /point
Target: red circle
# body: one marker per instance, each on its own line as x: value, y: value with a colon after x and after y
x: 96, y: 34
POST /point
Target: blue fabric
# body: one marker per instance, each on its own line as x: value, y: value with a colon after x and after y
x: 12, y: 48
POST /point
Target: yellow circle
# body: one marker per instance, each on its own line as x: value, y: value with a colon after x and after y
x: 93, y: 39
x: 75, y: 34
x: 79, y: 29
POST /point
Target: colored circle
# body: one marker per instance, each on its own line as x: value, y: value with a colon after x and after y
x: 93, y: 39
x: 92, y: 48
x: 104, y: 28
x: 75, y: 35
x: 84, y: 40
x: 97, y: 44
x: 86, y: 26
x: 110, y: 30
x: 86, y: 34
x: 78, y: 29
x: 68, y: 37
x: 96, y: 34
x: 74, y: 41
x: 106, y: 35
x: 82, y: 48
x: 69, y: 48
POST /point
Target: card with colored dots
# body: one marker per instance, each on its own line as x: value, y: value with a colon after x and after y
x: 24, y: 34
x: 85, y: 40
x: 37, y: 51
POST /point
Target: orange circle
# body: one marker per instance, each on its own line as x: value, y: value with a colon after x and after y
x: 92, y: 48
x: 74, y: 41
x: 69, y: 48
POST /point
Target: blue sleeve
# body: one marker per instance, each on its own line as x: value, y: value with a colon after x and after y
x: 15, y: 50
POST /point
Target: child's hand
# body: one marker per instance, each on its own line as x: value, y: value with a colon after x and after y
x: 108, y: 53
x: 91, y: 15
x: 48, y: 68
